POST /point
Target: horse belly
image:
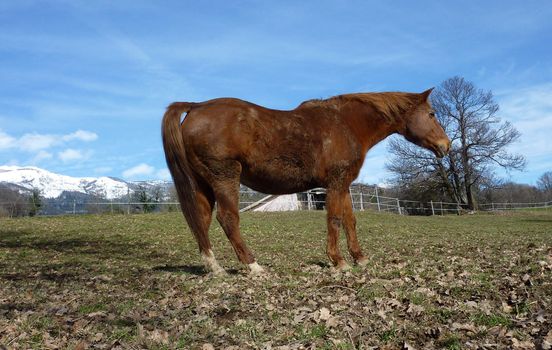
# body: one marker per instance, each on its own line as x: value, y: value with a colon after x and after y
x: 280, y: 175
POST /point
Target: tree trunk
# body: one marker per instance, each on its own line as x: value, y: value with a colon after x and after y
x: 445, y: 180
x: 468, y: 183
x: 472, y: 202
x: 457, y: 183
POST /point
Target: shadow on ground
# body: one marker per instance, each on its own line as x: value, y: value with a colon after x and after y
x: 197, y: 270
x: 18, y: 240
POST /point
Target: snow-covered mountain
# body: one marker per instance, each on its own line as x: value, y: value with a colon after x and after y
x: 52, y: 185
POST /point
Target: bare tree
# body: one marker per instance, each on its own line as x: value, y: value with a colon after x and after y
x: 479, y: 142
x: 35, y: 202
x: 544, y: 183
x: 143, y: 196
x: 12, y: 203
x: 510, y: 192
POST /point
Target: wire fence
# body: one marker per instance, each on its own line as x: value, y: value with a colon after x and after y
x: 515, y: 206
x: 363, y: 198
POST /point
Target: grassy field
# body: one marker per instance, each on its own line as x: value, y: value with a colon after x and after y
x: 133, y: 282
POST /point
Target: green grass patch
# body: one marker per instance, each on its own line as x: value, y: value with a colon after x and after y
x: 451, y: 342
x: 138, y: 281
x: 388, y: 335
x: 90, y: 308
x: 492, y: 320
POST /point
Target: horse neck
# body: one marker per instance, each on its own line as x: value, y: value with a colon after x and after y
x: 369, y: 125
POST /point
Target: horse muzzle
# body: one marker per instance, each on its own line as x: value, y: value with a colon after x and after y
x: 441, y: 149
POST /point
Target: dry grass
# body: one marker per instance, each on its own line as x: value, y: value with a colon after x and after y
x: 129, y: 282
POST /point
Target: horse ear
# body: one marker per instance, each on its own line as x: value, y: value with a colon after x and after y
x: 425, y: 94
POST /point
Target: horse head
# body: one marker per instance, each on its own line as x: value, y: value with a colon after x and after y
x: 422, y: 128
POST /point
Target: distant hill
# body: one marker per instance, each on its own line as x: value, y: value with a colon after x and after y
x: 52, y: 185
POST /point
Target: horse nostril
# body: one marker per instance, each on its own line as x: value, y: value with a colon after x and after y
x: 445, y: 147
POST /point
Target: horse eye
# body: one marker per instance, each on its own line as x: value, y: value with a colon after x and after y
x: 432, y: 114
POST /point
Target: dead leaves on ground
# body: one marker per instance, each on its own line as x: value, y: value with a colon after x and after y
x: 310, y: 309
x: 452, y: 295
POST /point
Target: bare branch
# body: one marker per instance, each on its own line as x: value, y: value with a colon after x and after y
x: 480, y: 141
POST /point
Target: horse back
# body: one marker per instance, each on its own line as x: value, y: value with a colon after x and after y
x: 279, y: 151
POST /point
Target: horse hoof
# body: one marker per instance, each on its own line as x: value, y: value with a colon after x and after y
x: 255, y: 269
x: 362, y: 261
x: 343, y: 266
x: 219, y: 272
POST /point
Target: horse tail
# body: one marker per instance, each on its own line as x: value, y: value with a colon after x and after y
x: 179, y: 167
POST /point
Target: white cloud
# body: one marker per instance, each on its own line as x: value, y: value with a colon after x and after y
x: 40, y: 156
x: 36, y: 142
x: 70, y: 154
x: 6, y: 141
x: 530, y: 111
x: 103, y: 170
x: 163, y: 174
x: 139, y: 170
x: 81, y: 135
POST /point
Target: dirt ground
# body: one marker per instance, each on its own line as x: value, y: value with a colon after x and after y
x: 133, y: 282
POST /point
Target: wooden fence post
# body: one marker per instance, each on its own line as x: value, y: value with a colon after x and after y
x: 377, y: 198
x: 432, y: 210
x: 399, y: 206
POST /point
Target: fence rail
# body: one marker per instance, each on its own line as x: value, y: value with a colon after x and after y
x: 515, y: 206
x: 367, y: 199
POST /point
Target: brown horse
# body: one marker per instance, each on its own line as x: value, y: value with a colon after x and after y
x: 321, y: 143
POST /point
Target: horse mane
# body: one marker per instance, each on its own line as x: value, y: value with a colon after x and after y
x: 391, y: 105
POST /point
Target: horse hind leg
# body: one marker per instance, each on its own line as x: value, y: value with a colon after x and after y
x: 227, y: 197
x: 204, y: 209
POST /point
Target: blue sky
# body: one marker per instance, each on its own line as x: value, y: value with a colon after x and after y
x: 84, y: 84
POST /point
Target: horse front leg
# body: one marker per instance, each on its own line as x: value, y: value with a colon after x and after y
x: 349, y: 223
x: 334, y: 207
